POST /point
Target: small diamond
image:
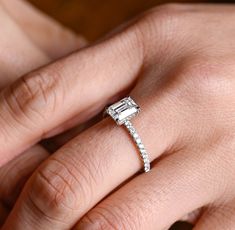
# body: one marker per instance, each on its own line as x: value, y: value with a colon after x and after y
x: 132, y: 132
x: 135, y: 135
x: 141, y: 146
x: 128, y: 124
x: 146, y: 164
x: 144, y: 156
x: 143, y: 151
x: 146, y: 160
x: 147, y: 168
x: 138, y: 140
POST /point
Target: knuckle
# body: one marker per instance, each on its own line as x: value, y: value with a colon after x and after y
x: 88, y: 170
x: 104, y: 219
x: 208, y: 77
x: 165, y: 14
x: 202, y: 78
x: 162, y: 24
x: 170, y: 12
x: 109, y: 216
x: 31, y: 93
x: 55, y: 189
x: 169, y: 8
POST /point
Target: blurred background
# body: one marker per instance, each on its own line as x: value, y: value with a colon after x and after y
x: 93, y: 18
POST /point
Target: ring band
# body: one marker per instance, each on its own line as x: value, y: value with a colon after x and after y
x: 122, y: 112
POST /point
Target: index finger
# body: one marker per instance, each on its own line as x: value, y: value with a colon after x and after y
x: 81, y: 83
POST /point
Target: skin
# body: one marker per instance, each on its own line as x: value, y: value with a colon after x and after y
x: 177, y: 62
x: 25, y: 47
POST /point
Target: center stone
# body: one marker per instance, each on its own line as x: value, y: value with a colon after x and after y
x: 123, y: 110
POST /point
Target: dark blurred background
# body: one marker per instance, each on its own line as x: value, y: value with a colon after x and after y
x: 94, y: 18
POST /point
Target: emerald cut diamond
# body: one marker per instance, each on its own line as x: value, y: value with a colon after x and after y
x: 123, y: 110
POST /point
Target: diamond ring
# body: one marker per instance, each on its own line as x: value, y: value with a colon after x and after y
x: 122, y: 112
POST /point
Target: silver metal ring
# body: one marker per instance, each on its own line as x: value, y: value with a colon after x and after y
x: 122, y: 112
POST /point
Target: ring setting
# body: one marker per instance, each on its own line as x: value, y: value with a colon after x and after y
x: 122, y: 112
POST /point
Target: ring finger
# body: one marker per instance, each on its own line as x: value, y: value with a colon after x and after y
x: 84, y: 171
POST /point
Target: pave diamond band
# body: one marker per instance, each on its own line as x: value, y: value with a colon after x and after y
x: 122, y: 112
x: 140, y: 145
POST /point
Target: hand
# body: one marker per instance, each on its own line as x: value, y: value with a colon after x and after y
x: 181, y: 58
x: 25, y: 46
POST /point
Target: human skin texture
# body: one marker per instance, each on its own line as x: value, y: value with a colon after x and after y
x: 178, y: 63
x: 24, y: 46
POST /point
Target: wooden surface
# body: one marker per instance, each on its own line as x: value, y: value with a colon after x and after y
x: 93, y: 18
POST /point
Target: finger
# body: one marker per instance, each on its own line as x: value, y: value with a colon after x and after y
x: 84, y: 171
x: 47, y: 34
x: 16, y: 60
x: 19, y: 169
x: 156, y: 200
x: 217, y: 218
x: 54, y: 143
x: 22, y: 12
x: 19, y: 58
x: 42, y: 100
x: 14, y: 174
